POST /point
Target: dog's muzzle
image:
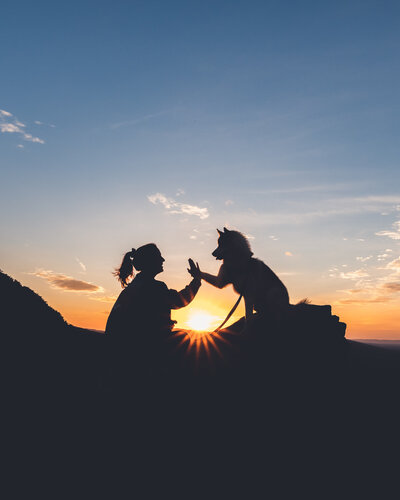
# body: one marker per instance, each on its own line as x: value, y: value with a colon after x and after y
x: 217, y: 254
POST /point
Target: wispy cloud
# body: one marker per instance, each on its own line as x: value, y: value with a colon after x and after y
x: 374, y: 293
x: 38, y: 122
x: 136, y: 121
x: 66, y: 283
x: 316, y: 188
x: 375, y: 300
x: 354, y: 275
x: 392, y: 287
x: 327, y: 207
x: 10, y: 125
x: 394, y: 235
x: 82, y: 265
x: 175, y: 207
x: 104, y: 298
x: 10, y: 128
x: 372, y: 286
x: 385, y: 255
x: 364, y: 259
x: 394, y: 264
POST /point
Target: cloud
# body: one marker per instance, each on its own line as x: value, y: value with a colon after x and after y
x: 228, y: 203
x: 38, y: 122
x: 66, y: 283
x: 10, y: 125
x: 10, y: 128
x: 29, y: 137
x: 175, y: 207
x: 83, y: 267
x: 369, y: 293
x: 394, y: 235
x: 384, y: 199
x: 325, y: 208
x: 138, y: 120
x: 375, y: 287
x: 394, y: 264
x: 354, y: 275
x: 376, y: 300
x: 364, y: 259
x: 105, y: 298
x: 392, y: 287
x: 353, y: 291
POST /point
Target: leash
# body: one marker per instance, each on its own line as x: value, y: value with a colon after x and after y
x: 229, y: 315
x: 236, y: 305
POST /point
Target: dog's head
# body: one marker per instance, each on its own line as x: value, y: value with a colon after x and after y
x: 220, y: 252
x: 231, y: 245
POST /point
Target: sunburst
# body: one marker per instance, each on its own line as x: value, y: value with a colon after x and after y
x: 201, y: 321
x: 200, y: 335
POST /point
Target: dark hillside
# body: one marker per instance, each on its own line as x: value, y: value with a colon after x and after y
x: 41, y: 351
x: 23, y: 311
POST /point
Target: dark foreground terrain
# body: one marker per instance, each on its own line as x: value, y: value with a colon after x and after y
x: 303, y: 413
x: 294, y: 425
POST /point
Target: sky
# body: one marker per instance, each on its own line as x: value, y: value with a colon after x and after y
x: 130, y: 122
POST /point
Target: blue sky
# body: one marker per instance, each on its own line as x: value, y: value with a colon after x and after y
x: 280, y: 119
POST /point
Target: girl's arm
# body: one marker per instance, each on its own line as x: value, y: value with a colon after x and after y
x: 185, y: 296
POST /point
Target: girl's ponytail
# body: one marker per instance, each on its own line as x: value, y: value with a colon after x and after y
x: 125, y: 270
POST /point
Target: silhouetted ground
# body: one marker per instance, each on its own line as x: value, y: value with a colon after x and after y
x: 252, y: 415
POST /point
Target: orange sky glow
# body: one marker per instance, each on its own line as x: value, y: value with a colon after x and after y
x: 363, y: 321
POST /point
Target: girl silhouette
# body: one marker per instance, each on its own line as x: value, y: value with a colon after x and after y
x: 142, y: 311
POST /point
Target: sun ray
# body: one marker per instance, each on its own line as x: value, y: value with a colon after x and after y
x: 213, y: 343
x: 200, y: 341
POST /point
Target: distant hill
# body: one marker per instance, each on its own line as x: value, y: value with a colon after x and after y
x: 23, y: 311
x: 42, y: 352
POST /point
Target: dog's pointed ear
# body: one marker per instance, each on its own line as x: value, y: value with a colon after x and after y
x: 226, y: 230
x: 220, y: 232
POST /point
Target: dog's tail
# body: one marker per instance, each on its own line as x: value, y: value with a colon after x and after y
x: 303, y: 301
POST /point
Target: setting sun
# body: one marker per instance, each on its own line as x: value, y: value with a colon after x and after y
x: 201, y: 321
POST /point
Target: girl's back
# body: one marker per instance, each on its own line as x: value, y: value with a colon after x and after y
x: 141, y: 307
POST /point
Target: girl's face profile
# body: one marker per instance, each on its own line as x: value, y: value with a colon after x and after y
x: 159, y: 259
x: 155, y: 262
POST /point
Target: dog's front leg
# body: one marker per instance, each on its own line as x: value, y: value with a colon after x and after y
x: 249, y: 306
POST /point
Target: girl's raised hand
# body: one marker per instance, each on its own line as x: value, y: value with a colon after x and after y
x: 194, y: 270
